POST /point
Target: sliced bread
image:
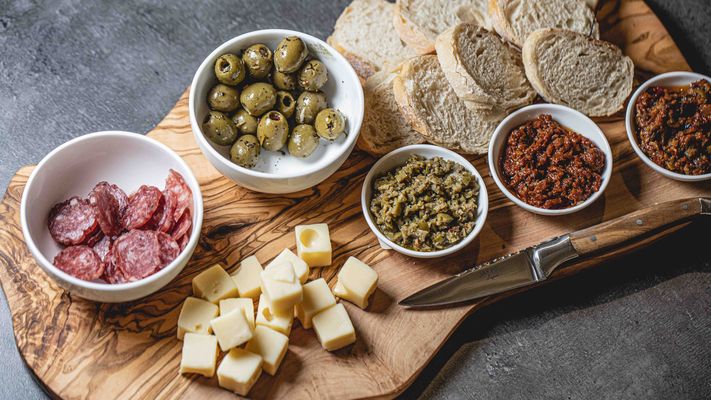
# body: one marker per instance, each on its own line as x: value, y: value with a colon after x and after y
x: 418, y: 22
x: 365, y: 35
x: 568, y: 68
x: 483, y: 70
x: 514, y: 20
x: 384, y: 127
x: 432, y: 107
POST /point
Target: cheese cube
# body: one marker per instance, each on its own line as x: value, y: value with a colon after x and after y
x: 265, y: 317
x: 313, y: 244
x: 317, y: 297
x: 199, y: 354
x: 280, y: 286
x: 195, y: 316
x: 239, y: 370
x: 300, y: 267
x: 356, y: 282
x: 247, y: 278
x: 247, y: 305
x: 269, y: 344
x: 214, y: 284
x: 232, y: 329
x: 333, y: 328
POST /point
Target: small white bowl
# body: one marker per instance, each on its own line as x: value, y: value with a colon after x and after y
x: 668, y: 79
x: 567, y: 117
x: 397, y: 158
x: 127, y: 159
x: 277, y: 172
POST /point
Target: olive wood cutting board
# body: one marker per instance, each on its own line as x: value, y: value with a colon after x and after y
x: 81, y: 349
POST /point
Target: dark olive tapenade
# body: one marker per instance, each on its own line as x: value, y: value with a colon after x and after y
x: 674, y: 127
x: 549, y: 166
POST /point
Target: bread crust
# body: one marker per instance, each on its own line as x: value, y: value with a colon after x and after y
x: 408, y: 32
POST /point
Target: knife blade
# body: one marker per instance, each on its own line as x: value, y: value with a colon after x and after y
x: 536, y: 263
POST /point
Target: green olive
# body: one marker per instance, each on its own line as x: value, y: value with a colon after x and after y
x: 313, y: 75
x: 283, y: 81
x: 229, y: 69
x: 258, y: 60
x: 330, y: 123
x: 290, y: 54
x: 245, y: 123
x: 308, y: 105
x: 273, y: 130
x: 303, y: 141
x: 223, y: 98
x: 245, y: 151
x: 285, y: 103
x: 219, y: 129
x: 258, y: 98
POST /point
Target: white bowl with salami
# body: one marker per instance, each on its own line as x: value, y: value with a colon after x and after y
x: 277, y: 170
x: 112, y: 216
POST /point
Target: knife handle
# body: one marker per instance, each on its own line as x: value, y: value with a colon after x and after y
x: 634, y: 225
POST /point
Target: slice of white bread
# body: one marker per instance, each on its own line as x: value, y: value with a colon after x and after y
x: 365, y: 35
x: 483, y: 70
x: 568, y: 68
x: 418, y: 22
x: 514, y: 20
x: 384, y: 127
x: 432, y: 107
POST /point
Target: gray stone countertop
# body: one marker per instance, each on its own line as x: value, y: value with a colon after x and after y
x: 639, y: 327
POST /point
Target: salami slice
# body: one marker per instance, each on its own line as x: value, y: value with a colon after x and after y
x: 138, y: 254
x: 107, y: 207
x: 183, y: 241
x: 183, y: 225
x: 176, y: 186
x: 157, y: 216
x: 95, y: 238
x: 72, y: 222
x: 169, y: 249
x: 111, y: 273
x: 141, y: 207
x: 102, y: 248
x: 80, y: 262
x: 118, y: 194
x: 167, y: 221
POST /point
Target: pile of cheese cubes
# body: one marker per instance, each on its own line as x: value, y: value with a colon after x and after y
x: 222, y: 313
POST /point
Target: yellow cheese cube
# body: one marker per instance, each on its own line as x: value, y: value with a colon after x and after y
x: 313, y: 244
x: 199, y: 354
x: 334, y: 328
x: 239, y: 370
x: 356, y: 282
x: 317, y: 297
x: 269, y: 344
x: 232, y: 329
x: 195, y: 316
x: 214, y: 284
x: 265, y: 317
x: 247, y: 278
x: 300, y: 267
x: 247, y: 305
x: 280, y: 286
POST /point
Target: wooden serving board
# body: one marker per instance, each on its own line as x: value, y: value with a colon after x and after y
x: 80, y: 349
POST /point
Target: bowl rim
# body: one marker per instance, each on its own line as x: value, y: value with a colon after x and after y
x: 542, y: 108
x: 116, y: 287
x: 482, y: 205
x: 355, y: 125
x: 631, y: 127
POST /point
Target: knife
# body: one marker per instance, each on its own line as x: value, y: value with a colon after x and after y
x: 537, y: 263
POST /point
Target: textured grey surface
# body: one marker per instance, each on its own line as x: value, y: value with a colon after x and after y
x: 639, y: 328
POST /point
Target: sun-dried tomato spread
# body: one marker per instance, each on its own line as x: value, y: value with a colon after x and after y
x: 549, y: 166
x: 674, y: 127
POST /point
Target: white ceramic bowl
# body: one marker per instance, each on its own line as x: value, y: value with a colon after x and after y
x: 127, y: 159
x: 397, y: 158
x: 277, y: 172
x: 668, y: 79
x: 567, y: 117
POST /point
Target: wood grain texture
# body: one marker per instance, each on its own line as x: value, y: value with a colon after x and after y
x: 80, y: 349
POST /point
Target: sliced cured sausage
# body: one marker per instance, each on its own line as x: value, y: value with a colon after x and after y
x: 167, y: 221
x: 107, y: 207
x: 102, y: 248
x: 169, y: 249
x: 176, y: 186
x: 72, y: 222
x: 81, y: 262
x: 138, y: 254
x: 141, y: 207
x: 182, y: 226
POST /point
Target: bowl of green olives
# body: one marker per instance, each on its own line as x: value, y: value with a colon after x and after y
x: 276, y: 111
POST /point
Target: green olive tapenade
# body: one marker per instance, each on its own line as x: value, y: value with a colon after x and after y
x: 425, y: 204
